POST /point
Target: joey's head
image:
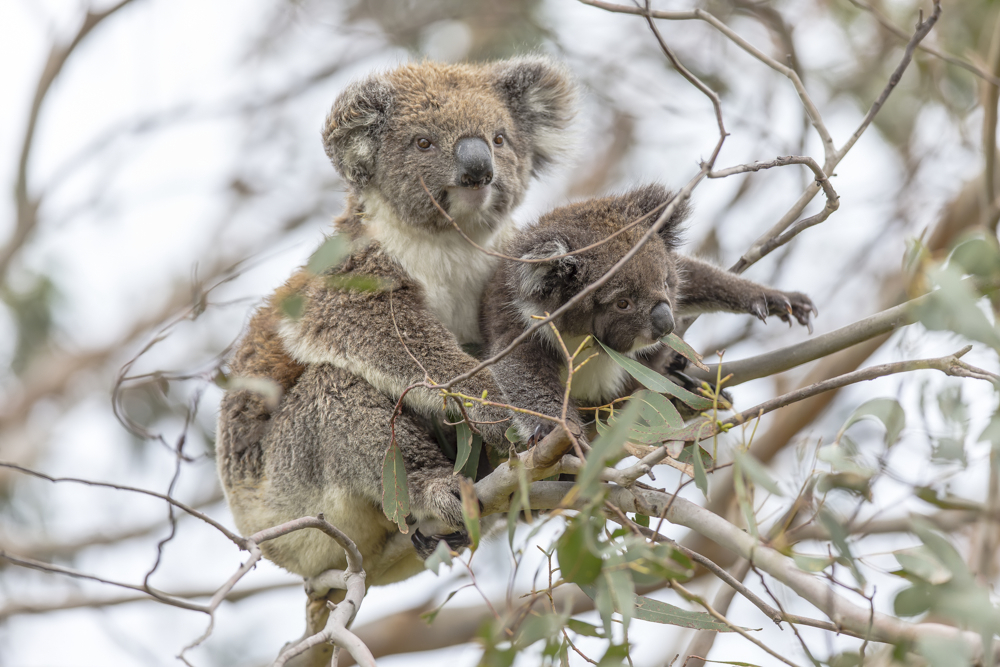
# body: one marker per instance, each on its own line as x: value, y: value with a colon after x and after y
x: 635, y: 307
x: 475, y: 135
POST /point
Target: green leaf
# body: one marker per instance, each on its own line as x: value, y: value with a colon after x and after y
x: 621, y: 587
x: 441, y: 556
x: 812, y: 563
x: 512, y: 435
x: 537, y: 627
x: 929, y: 495
x: 584, y: 629
x: 334, y: 250
x: 753, y: 469
x: 429, y: 616
x: 357, y: 282
x: 700, y: 476
x: 977, y: 256
x: 604, y: 604
x: 470, y: 511
x: 838, y: 535
x: 913, y: 601
x: 655, y: 611
x: 293, y: 306
x: 886, y: 410
x: 395, y: 498
x: 920, y: 562
x: 576, y: 562
x: 615, y: 656
x: 943, y: 651
x: 954, y: 307
x: 470, y: 446
x: 677, y: 344
x: 650, y: 379
x: 608, y: 445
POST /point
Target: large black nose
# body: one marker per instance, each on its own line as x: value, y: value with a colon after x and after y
x: 475, y: 163
x: 662, y: 319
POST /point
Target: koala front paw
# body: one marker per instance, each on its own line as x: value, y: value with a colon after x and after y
x: 785, y: 305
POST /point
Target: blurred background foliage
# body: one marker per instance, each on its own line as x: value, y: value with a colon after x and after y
x: 166, y: 172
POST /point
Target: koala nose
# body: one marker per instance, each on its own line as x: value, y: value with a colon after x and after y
x: 662, y: 319
x: 475, y: 163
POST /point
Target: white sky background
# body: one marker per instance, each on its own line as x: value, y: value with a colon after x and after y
x: 124, y: 227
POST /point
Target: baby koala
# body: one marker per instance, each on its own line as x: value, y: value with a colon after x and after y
x: 629, y: 313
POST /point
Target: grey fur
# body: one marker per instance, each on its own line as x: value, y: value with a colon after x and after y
x: 345, y: 361
x: 533, y: 375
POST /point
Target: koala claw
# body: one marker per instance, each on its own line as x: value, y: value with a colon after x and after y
x: 426, y: 544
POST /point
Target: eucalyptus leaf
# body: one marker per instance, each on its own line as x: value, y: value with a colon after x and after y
x: 886, y: 410
x: 331, y: 253
x: 755, y: 470
x: 650, y: 379
x: 954, y: 307
x: 440, y: 556
x: 395, y: 497
x: 678, y: 345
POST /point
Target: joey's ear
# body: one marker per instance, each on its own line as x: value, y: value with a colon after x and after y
x: 542, y: 98
x: 353, y: 129
x: 653, y: 199
x: 543, y: 279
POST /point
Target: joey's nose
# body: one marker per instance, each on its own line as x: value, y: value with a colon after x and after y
x: 662, y: 319
x: 475, y: 162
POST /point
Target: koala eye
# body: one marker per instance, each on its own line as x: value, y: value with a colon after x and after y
x: 624, y: 305
x: 498, y: 140
x: 424, y: 144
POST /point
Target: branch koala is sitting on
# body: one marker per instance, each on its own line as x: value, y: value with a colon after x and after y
x: 475, y: 135
x: 629, y: 313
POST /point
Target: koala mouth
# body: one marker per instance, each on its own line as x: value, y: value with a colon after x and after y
x: 464, y: 201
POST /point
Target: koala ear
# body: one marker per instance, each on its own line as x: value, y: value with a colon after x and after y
x: 652, y: 199
x: 353, y: 129
x: 542, y: 98
x: 540, y: 279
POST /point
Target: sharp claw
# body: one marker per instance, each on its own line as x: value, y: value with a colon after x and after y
x: 809, y: 325
x: 760, y: 312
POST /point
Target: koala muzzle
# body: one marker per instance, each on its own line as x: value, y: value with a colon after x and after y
x: 661, y: 319
x: 475, y: 162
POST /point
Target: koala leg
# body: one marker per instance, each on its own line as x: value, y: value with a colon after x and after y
x: 323, y: 452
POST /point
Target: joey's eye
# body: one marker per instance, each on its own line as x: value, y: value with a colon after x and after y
x: 498, y: 140
x: 424, y: 144
x: 623, y: 304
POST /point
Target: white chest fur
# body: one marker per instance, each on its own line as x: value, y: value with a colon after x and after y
x: 597, y: 381
x: 451, y: 270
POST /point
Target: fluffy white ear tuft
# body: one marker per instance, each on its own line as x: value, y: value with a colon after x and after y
x: 353, y: 128
x: 542, y: 97
x: 537, y: 278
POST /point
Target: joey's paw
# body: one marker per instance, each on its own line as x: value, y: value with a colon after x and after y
x: 444, y: 501
x: 427, y: 544
x: 785, y: 305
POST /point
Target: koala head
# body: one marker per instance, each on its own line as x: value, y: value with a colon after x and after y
x: 635, y: 307
x: 475, y: 134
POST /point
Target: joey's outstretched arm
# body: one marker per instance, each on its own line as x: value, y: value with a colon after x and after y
x: 530, y: 379
x: 399, y: 343
x: 707, y: 289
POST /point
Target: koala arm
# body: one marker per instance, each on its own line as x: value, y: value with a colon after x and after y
x: 706, y: 289
x: 530, y: 377
x: 391, y: 340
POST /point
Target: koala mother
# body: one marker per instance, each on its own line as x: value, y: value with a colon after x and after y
x: 475, y: 135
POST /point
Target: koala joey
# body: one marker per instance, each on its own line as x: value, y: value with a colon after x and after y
x: 473, y: 135
x: 629, y: 313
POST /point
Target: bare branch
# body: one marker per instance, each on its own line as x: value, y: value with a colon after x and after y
x: 27, y: 207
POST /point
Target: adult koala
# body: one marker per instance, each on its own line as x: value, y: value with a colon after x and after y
x: 475, y: 135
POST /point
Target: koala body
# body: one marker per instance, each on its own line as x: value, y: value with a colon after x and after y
x: 629, y: 313
x: 474, y: 135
